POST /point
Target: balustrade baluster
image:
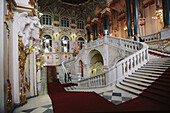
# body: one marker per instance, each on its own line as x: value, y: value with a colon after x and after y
x: 98, y: 81
x: 129, y: 64
x: 126, y: 66
x: 123, y: 69
x: 103, y: 80
x: 136, y: 59
x: 139, y: 57
x: 143, y: 56
x: 146, y: 54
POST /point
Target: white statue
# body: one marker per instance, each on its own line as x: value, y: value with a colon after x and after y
x: 27, y: 25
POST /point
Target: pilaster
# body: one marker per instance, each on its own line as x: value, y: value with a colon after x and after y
x: 2, y: 104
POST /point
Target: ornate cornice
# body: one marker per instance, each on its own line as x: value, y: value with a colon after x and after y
x: 22, y: 7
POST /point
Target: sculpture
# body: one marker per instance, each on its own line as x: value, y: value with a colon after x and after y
x: 27, y: 25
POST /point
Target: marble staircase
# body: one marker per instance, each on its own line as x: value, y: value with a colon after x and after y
x: 150, y: 80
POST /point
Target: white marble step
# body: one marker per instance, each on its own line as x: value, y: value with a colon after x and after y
x: 158, y: 62
x: 137, y: 82
x: 140, y: 79
x: 143, y: 76
x: 152, y: 69
x: 133, y: 86
x: 146, y: 74
x: 131, y: 90
x: 157, y: 67
x: 161, y: 65
x: 149, y: 71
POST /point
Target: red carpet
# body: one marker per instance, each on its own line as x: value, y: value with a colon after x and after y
x: 157, y: 54
x: 86, y: 102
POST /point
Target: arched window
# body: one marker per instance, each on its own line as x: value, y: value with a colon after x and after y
x: 47, y: 45
x: 46, y: 20
x: 65, y: 44
x: 80, y: 43
x: 64, y: 22
x: 80, y: 24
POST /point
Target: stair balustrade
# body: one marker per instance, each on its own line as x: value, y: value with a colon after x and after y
x: 151, y: 37
x: 98, y: 80
x: 120, y: 70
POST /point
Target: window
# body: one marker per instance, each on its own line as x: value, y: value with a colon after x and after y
x: 46, y: 20
x: 80, y: 43
x: 47, y: 45
x: 65, y: 45
x: 80, y: 24
x: 64, y: 22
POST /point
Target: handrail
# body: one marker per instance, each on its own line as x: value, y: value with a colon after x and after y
x: 150, y: 37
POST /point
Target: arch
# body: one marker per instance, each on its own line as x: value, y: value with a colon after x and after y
x: 47, y: 43
x: 81, y: 68
x: 65, y: 44
x: 96, y: 61
x: 89, y: 52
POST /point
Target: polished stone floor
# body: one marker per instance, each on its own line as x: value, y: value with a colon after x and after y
x: 40, y: 104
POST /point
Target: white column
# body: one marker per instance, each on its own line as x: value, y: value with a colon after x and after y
x: 35, y: 73
x: 39, y: 80
x: 2, y: 4
x: 31, y: 75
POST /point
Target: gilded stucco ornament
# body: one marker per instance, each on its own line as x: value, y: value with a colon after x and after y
x: 27, y: 25
x: 32, y: 2
x: 8, y: 17
x: 161, y: 44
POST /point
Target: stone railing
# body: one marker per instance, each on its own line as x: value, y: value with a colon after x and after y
x: 95, y: 43
x: 124, y: 44
x: 118, y: 71
x: 94, y: 81
x: 151, y: 37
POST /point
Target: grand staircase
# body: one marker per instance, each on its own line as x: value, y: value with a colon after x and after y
x: 151, y: 81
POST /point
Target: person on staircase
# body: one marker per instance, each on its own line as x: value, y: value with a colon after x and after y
x: 69, y: 76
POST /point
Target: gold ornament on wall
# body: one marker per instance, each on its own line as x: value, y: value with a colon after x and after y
x: 22, y: 60
x: 32, y: 2
x: 161, y: 44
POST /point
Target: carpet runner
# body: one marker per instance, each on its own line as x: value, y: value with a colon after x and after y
x: 90, y: 102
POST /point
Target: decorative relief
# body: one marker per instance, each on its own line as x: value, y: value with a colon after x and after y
x: 47, y: 30
x: 27, y: 25
x: 22, y: 61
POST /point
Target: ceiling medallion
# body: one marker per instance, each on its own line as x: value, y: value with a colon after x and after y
x: 74, y: 2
